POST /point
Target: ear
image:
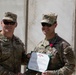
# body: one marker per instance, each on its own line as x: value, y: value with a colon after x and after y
x: 0, y: 22
x: 55, y: 24
x: 16, y: 24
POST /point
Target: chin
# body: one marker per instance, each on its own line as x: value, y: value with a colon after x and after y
x: 45, y: 34
x: 8, y: 30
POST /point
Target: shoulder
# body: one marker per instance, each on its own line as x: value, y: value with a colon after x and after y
x: 62, y: 42
x: 17, y: 40
x: 62, y: 45
x: 65, y: 44
x: 42, y: 43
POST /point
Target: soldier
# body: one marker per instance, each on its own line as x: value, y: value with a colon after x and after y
x: 62, y: 60
x: 12, y: 51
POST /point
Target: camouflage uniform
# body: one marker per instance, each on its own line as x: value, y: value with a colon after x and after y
x: 62, y: 60
x: 12, y: 51
x: 61, y: 56
x: 12, y: 55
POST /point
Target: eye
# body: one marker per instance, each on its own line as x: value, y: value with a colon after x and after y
x: 46, y: 24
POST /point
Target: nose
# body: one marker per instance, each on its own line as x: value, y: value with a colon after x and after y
x: 44, y: 28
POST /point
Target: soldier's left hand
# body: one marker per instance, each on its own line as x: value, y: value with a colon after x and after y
x: 46, y: 73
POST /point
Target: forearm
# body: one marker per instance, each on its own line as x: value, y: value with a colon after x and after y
x: 66, y: 70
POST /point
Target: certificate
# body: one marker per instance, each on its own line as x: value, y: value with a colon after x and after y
x: 38, y: 62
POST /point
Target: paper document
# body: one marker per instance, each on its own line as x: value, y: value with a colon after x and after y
x: 38, y: 62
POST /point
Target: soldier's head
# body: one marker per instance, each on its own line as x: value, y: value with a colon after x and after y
x: 49, y: 19
x: 9, y: 21
x: 49, y: 23
x: 10, y: 16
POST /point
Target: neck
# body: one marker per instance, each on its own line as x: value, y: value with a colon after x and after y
x: 50, y: 36
x: 6, y: 34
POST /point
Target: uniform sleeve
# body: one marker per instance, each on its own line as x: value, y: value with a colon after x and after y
x: 24, y: 59
x: 69, y: 66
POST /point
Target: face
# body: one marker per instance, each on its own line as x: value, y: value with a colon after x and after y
x: 48, y: 29
x: 8, y: 26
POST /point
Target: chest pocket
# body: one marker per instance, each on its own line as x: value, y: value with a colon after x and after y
x: 56, y: 57
x: 60, y: 53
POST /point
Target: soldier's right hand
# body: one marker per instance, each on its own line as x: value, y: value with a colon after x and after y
x: 28, y: 55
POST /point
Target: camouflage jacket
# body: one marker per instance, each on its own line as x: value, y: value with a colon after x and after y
x: 12, y: 55
x: 62, y: 60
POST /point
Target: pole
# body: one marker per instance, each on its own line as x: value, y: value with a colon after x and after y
x: 26, y: 4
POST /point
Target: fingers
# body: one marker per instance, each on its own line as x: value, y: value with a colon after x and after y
x: 46, y: 73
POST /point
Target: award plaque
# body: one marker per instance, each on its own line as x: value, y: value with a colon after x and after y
x: 38, y: 62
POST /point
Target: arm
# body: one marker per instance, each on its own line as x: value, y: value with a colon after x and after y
x: 4, y: 69
x: 25, y: 57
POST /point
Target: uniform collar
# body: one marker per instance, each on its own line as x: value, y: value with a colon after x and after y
x: 50, y: 42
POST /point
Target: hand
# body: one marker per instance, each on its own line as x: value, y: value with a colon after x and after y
x: 46, y: 73
x: 28, y: 55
